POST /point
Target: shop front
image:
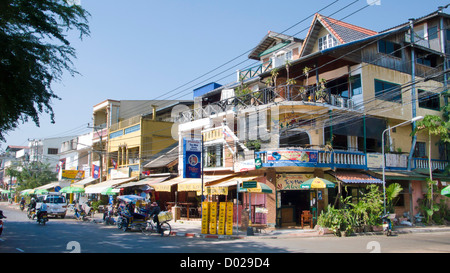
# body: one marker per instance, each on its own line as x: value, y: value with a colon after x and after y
x: 292, y: 199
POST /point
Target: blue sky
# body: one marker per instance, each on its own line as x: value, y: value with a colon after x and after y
x: 146, y: 49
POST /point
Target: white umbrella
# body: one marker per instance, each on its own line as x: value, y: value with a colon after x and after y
x: 130, y: 198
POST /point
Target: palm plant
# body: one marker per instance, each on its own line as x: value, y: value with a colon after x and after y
x: 392, y: 192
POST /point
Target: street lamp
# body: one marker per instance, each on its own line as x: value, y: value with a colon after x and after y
x: 384, y: 159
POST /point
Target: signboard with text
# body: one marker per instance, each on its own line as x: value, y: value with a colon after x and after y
x: 192, y: 156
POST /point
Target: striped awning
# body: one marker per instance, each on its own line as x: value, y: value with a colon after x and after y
x: 355, y: 177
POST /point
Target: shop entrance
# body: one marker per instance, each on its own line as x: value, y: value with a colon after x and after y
x: 292, y: 204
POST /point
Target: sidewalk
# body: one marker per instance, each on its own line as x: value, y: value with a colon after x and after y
x: 192, y: 229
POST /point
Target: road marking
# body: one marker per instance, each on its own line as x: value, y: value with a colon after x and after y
x: 20, y: 250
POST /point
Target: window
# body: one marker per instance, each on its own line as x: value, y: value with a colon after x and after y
x: 213, y: 156
x: 428, y: 100
x: 327, y: 41
x: 52, y: 151
x: 355, y: 82
x: 432, y: 33
x: 388, y: 91
x: 289, y: 55
x: 419, y: 150
x: 390, y: 48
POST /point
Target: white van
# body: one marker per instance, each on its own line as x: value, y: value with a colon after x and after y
x: 56, y: 204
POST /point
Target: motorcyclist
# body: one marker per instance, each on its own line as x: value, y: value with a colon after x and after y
x: 32, y: 205
x: 22, y: 203
x: 154, y: 211
x: 1, y: 222
x: 42, y: 209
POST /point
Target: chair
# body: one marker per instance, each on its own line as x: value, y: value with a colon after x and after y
x: 306, y: 217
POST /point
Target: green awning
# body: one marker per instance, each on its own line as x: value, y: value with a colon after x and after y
x: 274, y: 48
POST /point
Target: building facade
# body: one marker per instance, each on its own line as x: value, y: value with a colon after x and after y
x: 318, y: 106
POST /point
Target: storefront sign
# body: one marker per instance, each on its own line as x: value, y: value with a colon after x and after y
x: 243, y: 166
x: 374, y: 161
x: 292, y: 181
x: 72, y: 174
x: 192, y: 154
x: 293, y: 155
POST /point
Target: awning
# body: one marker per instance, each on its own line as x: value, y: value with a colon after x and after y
x: 83, y: 183
x: 260, y: 188
x: 48, y: 186
x: 146, y: 181
x: 221, y: 187
x: 355, y: 177
x: 401, y: 176
x: 166, y: 186
x: 98, y: 188
x: 195, y: 184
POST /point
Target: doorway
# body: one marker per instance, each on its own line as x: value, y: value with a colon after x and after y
x: 292, y: 204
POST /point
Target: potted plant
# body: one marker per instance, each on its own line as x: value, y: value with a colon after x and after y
x: 392, y: 192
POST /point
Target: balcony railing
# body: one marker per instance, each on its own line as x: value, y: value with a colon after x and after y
x: 338, y: 159
x: 306, y: 94
x: 254, y: 71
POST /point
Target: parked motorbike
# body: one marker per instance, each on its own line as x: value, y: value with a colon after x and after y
x: 42, y: 218
x: 387, y: 225
x: 80, y: 214
x: 1, y: 222
x: 108, y: 217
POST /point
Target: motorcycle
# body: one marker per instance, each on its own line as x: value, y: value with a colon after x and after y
x: 81, y: 215
x: 42, y: 218
x: 31, y: 213
x: 1, y: 222
x: 22, y: 206
x: 387, y: 225
x: 108, y: 218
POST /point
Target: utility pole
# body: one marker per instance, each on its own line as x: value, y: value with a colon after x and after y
x: 100, y: 153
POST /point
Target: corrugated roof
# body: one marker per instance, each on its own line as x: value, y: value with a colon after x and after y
x: 355, y: 177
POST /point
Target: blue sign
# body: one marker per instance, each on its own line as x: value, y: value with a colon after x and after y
x: 192, y: 158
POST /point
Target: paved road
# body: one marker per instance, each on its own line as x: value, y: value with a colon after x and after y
x: 68, y: 235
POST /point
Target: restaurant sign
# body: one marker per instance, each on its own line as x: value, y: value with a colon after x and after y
x: 192, y: 155
x: 293, y: 155
x: 292, y: 181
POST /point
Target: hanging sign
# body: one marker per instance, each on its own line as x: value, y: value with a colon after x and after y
x: 192, y: 155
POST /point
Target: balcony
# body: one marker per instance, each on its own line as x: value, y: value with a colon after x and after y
x: 303, y: 94
x: 254, y: 71
x: 341, y: 159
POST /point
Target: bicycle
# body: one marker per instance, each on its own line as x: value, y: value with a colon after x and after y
x: 151, y: 227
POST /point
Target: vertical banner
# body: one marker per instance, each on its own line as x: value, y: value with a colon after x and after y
x: 205, y: 220
x: 229, y: 219
x: 192, y: 154
x: 212, y: 218
x: 222, y: 211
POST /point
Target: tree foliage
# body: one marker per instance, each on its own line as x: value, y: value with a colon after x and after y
x: 34, y: 52
x: 32, y: 175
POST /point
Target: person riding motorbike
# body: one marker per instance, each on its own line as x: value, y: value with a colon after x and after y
x: 1, y: 222
x: 42, y: 209
x: 32, y: 206
x: 154, y: 211
x: 22, y: 203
